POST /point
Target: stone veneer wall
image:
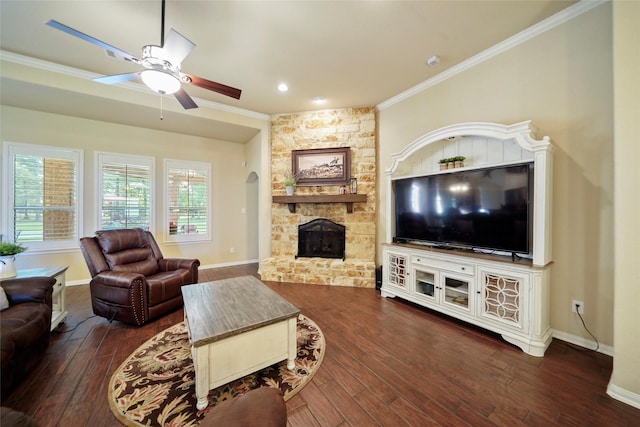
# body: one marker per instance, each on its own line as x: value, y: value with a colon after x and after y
x: 350, y: 127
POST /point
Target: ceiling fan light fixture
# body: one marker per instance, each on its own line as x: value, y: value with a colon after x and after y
x: 160, y: 81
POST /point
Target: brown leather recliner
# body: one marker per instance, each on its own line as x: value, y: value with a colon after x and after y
x: 131, y: 281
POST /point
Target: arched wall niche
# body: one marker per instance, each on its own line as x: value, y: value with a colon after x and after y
x: 483, y: 144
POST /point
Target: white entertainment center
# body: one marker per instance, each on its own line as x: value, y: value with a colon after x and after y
x: 502, y: 293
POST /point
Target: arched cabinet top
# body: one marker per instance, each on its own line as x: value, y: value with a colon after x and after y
x: 480, y: 142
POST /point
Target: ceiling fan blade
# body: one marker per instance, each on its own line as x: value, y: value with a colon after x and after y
x: 216, y: 87
x: 185, y: 100
x: 177, y: 47
x: 112, y: 51
x: 117, y: 78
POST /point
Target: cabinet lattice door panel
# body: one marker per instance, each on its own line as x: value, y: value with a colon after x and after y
x: 502, y: 298
x: 397, y: 270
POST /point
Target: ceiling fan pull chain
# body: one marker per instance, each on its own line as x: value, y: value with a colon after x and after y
x: 161, y: 116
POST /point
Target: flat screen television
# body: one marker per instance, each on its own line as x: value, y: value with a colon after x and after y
x: 488, y: 208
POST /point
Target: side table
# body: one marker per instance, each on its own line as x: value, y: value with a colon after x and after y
x: 59, y: 313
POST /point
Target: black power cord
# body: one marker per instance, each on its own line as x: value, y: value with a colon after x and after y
x: 587, y: 329
x: 58, y: 331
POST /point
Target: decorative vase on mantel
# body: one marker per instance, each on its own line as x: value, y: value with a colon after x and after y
x: 7, y: 266
x: 289, y: 190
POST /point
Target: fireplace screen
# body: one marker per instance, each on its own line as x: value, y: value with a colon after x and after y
x: 321, y: 238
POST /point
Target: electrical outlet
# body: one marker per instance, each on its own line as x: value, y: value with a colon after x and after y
x: 232, y: 250
x: 580, y: 306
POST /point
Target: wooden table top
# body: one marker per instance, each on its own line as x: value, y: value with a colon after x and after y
x: 39, y: 272
x: 220, y: 309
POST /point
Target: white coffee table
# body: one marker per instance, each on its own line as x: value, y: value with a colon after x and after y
x: 236, y: 326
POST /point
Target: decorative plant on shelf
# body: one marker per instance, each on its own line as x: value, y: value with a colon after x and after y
x: 290, y: 181
x: 7, y: 252
x: 459, y: 161
x: 444, y: 163
x: 451, y: 162
x: 10, y: 249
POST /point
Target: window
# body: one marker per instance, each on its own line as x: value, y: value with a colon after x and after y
x: 187, y: 187
x: 44, y: 195
x: 124, y: 191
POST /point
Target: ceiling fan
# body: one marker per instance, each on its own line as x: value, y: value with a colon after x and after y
x: 161, y: 64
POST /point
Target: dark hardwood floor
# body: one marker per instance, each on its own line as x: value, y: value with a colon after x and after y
x: 387, y: 363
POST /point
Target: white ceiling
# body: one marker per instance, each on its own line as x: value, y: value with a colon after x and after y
x: 353, y: 53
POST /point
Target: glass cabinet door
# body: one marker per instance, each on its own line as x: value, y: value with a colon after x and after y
x: 425, y: 283
x: 456, y: 291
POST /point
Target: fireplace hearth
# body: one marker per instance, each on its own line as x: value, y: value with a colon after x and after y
x: 321, y: 238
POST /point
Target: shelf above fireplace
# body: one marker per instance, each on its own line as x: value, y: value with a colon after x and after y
x: 347, y: 199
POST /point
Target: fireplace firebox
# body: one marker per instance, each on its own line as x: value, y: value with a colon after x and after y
x: 321, y: 238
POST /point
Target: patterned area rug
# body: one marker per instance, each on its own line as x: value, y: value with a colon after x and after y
x: 155, y: 385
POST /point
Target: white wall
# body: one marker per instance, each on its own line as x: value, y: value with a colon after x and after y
x: 259, y: 162
x: 229, y: 175
x: 562, y: 80
x: 625, y: 381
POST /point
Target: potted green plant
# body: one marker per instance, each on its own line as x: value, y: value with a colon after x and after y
x: 443, y: 163
x: 290, y: 181
x: 459, y: 161
x: 8, y: 251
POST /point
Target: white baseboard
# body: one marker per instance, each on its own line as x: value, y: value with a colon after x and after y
x: 615, y: 392
x: 624, y: 396
x: 229, y: 264
x: 582, y: 342
x: 224, y: 264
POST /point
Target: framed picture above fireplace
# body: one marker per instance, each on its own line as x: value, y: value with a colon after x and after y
x: 322, y: 166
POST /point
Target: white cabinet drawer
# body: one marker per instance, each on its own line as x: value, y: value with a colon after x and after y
x: 444, y: 265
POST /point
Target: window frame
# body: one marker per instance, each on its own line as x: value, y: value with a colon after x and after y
x: 186, y: 238
x: 103, y: 157
x: 10, y: 150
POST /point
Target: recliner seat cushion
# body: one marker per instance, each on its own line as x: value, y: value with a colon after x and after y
x: 166, y: 285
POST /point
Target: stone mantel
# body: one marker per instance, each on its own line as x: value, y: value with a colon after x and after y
x: 347, y: 199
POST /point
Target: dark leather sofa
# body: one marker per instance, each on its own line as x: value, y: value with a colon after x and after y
x: 261, y: 407
x: 24, y: 327
x: 131, y: 281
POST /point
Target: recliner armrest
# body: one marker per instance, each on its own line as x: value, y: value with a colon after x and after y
x: 121, y: 279
x: 170, y: 264
x: 29, y: 289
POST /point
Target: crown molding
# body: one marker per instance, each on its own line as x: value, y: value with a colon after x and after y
x: 87, y: 75
x: 559, y: 18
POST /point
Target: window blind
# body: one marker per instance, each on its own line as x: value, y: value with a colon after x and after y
x: 45, y: 198
x: 125, y: 196
x: 187, y: 199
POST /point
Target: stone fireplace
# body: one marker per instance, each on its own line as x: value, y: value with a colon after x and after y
x: 350, y: 127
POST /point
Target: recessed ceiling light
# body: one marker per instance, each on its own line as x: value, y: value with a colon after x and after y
x: 282, y: 87
x: 319, y: 99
